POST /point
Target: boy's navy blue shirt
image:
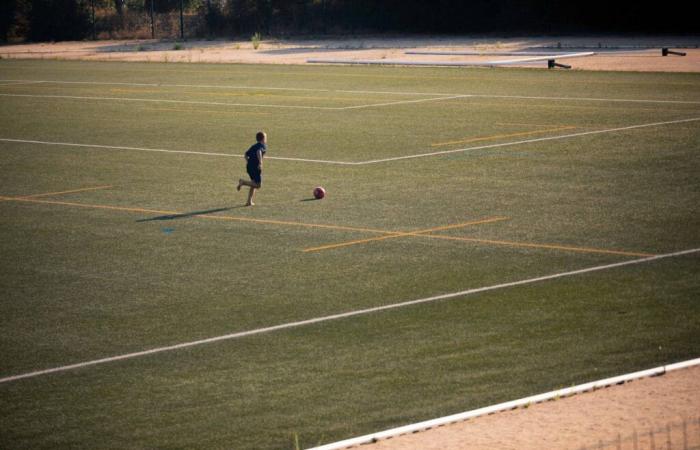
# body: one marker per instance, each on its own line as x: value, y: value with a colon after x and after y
x: 252, y: 154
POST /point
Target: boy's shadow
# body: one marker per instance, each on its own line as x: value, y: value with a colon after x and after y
x: 190, y: 214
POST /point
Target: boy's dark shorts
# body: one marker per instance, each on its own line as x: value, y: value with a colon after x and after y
x: 255, y: 174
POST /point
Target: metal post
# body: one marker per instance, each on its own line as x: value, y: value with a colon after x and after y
x: 153, y: 25
x: 182, y: 20
x: 94, y: 32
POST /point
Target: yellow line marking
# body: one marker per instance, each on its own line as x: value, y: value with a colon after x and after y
x: 203, y: 216
x: 48, y: 194
x: 546, y: 246
x: 5, y: 199
x: 520, y: 124
x: 209, y: 111
x: 231, y: 94
x: 501, y: 136
x: 398, y: 234
x: 387, y: 234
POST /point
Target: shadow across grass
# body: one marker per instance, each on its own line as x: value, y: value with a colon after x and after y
x: 190, y: 214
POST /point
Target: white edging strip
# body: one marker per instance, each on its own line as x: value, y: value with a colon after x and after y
x: 394, y: 62
x: 360, y: 312
x: 359, y: 163
x: 474, y: 53
x: 421, y: 426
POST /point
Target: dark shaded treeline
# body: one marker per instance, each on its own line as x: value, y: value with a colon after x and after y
x: 72, y: 19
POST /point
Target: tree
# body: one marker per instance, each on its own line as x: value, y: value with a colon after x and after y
x: 7, y: 15
x: 58, y: 20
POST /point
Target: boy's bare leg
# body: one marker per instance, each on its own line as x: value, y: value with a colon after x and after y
x: 251, y: 194
x: 242, y: 182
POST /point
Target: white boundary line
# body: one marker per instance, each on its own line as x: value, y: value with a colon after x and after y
x: 360, y: 312
x: 528, y: 141
x: 422, y: 426
x: 451, y: 94
x: 189, y: 102
x: 360, y: 163
x: 255, y: 105
x: 187, y: 152
x: 202, y: 86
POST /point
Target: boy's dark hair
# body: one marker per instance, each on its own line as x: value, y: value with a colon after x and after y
x: 260, y: 136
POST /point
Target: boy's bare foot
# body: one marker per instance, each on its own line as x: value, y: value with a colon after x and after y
x: 238, y: 188
x: 250, y: 204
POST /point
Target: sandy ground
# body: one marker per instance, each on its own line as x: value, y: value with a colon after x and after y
x: 641, y: 53
x: 644, y: 414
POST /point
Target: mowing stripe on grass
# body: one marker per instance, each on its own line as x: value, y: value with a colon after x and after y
x: 405, y: 234
x: 443, y: 94
x: 501, y: 136
x: 360, y: 312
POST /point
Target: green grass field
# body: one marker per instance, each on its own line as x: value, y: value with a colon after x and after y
x: 108, y: 250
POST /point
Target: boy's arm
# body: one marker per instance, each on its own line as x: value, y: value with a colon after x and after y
x: 260, y: 158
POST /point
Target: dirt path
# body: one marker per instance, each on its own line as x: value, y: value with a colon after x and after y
x: 643, y: 53
x: 644, y: 414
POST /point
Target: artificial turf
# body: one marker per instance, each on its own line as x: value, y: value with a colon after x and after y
x: 161, y: 252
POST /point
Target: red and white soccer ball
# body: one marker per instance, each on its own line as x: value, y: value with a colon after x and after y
x: 319, y: 193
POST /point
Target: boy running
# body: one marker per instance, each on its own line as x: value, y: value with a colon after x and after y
x: 254, y: 157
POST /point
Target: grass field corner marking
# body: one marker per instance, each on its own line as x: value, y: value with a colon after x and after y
x: 398, y: 234
x: 529, y: 141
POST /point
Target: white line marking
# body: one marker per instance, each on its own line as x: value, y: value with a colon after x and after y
x: 17, y: 83
x: 360, y: 163
x: 405, y: 101
x: 539, y: 398
x: 588, y: 99
x: 399, y: 62
x: 301, y: 323
x: 189, y: 102
x: 551, y: 54
x: 442, y: 94
x: 202, y: 86
x: 529, y: 141
x: 188, y: 152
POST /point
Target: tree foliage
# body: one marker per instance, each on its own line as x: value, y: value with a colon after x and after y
x: 69, y: 19
x: 57, y: 20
